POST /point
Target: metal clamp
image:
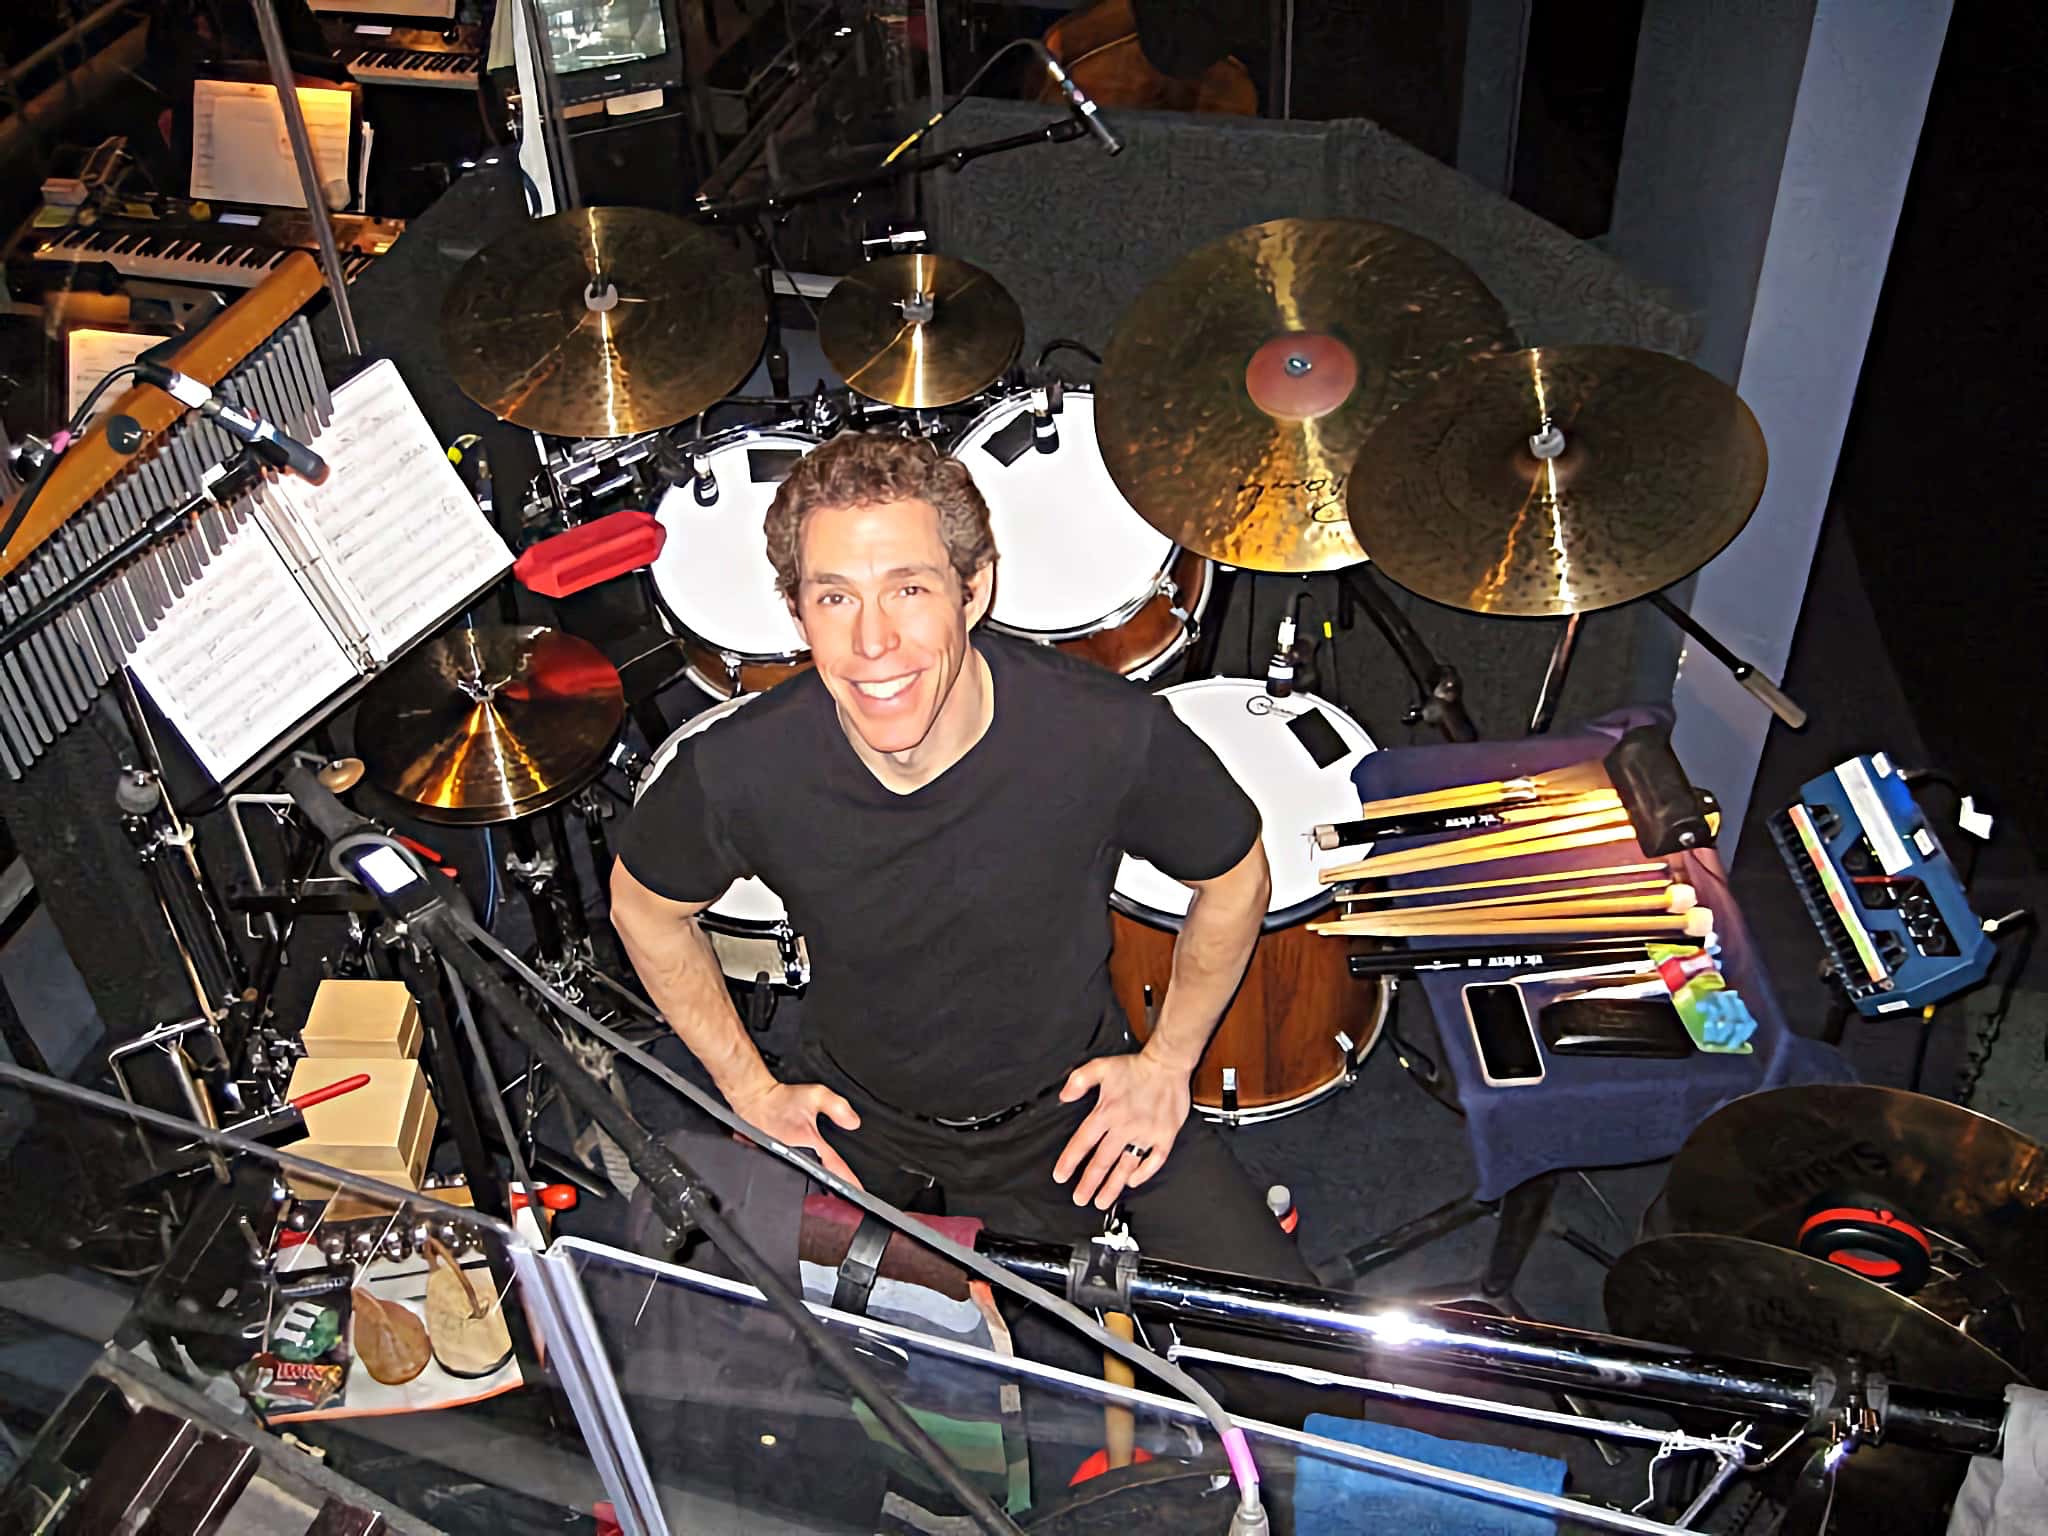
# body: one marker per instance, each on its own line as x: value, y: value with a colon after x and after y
x: 1100, y: 1273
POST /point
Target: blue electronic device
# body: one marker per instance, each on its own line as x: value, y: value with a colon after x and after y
x: 1888, y: 903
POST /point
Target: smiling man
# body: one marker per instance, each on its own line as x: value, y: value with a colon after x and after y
x: 943, y: 813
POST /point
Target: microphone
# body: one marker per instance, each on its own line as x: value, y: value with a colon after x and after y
x: 704, y: 484
x: 244, y: 425
x: 1280, y: 670
x: 1079, y: 103
x: 1045, y: 404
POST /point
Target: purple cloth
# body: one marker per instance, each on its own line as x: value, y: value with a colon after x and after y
x: 1588, y: 1112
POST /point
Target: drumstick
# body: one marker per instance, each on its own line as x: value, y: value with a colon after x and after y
x: 1476, y: 818
x: 1697, y: 924
x: 1479, y: 848
x: 1118, y: 1425
x: 1623, y: 892
x: 1676, y: 898
x: 1412, y: 862
x: 1579, y: 776
x: 1656, y: 867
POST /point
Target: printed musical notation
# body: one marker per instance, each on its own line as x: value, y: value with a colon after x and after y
x: 392, y: 520
x: 342, y: 578
x: 240, y: 658
x: 241, y: 152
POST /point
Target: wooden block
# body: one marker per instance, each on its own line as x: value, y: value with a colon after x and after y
x: 362, y: 1018
x: 382, y: 1131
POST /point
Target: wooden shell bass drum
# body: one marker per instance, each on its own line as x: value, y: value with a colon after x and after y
x: 1299, y: 1024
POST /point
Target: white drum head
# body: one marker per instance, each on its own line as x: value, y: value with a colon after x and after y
x: 712, y: 574
x: 744, y: 901
x: 1247, y: 729
x: 1071, y: 552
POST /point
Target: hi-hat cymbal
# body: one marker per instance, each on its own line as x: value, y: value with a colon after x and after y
x: 1754, y: 1167
x: 1731, y: 1296
x: 919, y: 330
x: 490, y: 724
x: 601, y: 322
x: 1657, y: 467
x: 1236, y: 391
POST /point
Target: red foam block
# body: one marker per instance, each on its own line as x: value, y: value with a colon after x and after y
x: 584, y: 556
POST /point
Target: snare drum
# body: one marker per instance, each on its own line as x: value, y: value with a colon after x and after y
x: 712, y: 580
x: 1077, y: 566
x: 748, y: 926
x: 1300, y: 1023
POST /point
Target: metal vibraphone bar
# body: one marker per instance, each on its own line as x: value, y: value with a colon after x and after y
x: 50, y: 677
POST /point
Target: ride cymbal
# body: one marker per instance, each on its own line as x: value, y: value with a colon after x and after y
x: 1731, y: 1296
x: 602, y: 322
x: 1237, y: 389
x: 490, y: 724
x: 1653, y: 467
x: 1756, y: 1166
x: 919, y: 330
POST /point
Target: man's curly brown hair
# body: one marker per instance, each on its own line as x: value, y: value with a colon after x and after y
x: 864, y: 469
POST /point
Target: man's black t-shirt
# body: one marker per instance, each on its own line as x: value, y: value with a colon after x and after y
x: 959, y: 935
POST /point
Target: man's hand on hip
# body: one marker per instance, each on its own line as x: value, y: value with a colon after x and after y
x: 1140, y: 1106
x: 789, y: 1112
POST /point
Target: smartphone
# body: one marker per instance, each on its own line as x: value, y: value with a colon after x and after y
x: 1504, y: 1034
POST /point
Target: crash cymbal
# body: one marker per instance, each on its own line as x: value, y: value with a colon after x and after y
x: 602, y: 322
x: 1236, y: 391
x: 1757, y: 1165
x: 490, y: 724
x: 919, y: 330
x: 1731, y: 1296
x: 1654, y: 467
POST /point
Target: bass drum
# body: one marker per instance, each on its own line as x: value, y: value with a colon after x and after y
x: 1077, y: 567
x: 1300, y: 1023
x: 748, y: 926
x: 713, y: 584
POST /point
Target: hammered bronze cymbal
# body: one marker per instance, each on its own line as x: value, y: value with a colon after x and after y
x: 490, y: 724
x: 1755, y: 1166
x: 1732, y: 1296
x: 1651, y: 468
x: 601, y: 322
x: 919, y: 330
x: 1237, y: 389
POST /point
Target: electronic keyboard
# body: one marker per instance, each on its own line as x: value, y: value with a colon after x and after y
x: 1888, y: 903
x: 214, y: 254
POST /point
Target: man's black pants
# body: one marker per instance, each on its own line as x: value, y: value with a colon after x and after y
x: 1201, y: 1208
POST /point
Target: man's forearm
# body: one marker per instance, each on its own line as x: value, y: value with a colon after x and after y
x: 1209, y: 958
x: 682, y: 977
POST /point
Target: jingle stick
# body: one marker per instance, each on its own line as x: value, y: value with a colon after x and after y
x: 1655, y: 867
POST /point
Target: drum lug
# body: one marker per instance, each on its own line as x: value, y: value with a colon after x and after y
x: 790, y: 948
x: 1344, y: 1044
x: 1230, y: 1092
x: 732, y: 670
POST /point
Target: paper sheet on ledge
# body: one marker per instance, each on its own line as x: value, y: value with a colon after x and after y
x: 241, y: 152
x: 240, y: 657
x: 392, y: 520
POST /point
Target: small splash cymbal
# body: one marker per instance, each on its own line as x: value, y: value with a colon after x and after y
x: 602, y: 322
x: 490, y: 724
x: 1237, y: 389
x: 1558, y: 480
x: 919, y: 330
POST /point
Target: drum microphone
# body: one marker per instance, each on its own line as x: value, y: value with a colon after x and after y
x: 705, y: 484
x: 1078, y: 102
x: 1045, y: 404
x: 1280, y: 670
x: 243, y: 425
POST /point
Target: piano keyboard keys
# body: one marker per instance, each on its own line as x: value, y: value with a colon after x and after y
x: 409, y: 66
x: 176, y: 258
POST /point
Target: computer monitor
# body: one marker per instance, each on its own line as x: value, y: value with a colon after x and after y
x: 601, y: 48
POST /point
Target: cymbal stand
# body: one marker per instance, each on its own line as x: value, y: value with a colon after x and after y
x: 1773, y: 697
x: 1441, y: 690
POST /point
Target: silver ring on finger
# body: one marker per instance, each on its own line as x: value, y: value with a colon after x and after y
x: 1140, y: 1153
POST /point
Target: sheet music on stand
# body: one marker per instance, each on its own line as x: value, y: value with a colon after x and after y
x: 241, y: 152
x: 325, y: 586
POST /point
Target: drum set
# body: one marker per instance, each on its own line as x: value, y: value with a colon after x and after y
x: 1246, y: 415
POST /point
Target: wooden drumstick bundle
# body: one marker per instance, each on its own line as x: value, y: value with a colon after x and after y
x: 1588, y: 831
x: 1605, y: 871
x: 1578, y: 778
x: 1663, y: 900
